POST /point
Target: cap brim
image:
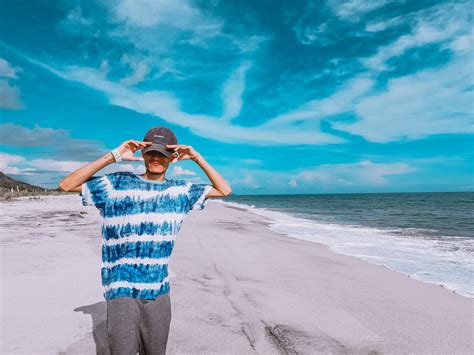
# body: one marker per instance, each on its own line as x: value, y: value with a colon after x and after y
x: 158, y: 148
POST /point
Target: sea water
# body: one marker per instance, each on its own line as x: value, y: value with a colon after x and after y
x: 428, y: 236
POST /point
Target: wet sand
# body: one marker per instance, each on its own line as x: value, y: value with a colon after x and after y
x: 236, y: 288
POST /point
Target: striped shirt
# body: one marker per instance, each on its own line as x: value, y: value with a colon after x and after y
x: 140, y: 221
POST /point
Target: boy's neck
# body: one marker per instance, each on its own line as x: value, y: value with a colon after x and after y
x: 155, y: 177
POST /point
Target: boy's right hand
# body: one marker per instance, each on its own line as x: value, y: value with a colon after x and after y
x: 128, y: 148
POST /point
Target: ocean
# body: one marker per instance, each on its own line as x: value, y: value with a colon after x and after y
x: 428, y: 236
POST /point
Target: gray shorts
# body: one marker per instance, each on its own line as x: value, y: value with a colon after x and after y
x: 138, y: 325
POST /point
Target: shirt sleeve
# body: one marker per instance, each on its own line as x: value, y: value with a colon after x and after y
x: 94, y: 192
x: 198, y: 195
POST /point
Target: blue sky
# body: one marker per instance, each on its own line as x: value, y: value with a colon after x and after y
x: 280, y: 97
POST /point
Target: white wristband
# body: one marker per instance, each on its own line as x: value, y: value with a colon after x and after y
x: 117, y: 155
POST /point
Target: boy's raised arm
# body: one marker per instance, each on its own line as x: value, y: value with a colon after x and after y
x: 73, y: 181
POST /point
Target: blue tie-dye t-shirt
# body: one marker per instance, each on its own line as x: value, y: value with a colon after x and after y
x: 141, y: 219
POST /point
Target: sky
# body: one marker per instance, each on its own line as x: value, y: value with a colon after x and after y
x: 280, y: 97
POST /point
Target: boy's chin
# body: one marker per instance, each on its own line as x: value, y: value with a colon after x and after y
x: 156, y: 169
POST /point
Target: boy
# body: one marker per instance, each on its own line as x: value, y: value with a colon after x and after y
x: 141, y: 215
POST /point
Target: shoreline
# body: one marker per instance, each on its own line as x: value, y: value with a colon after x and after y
x: 236, y: 287
x: 272, y: 223
x: 268, y: 222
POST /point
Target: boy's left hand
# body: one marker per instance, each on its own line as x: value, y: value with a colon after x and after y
x: 185, y: 152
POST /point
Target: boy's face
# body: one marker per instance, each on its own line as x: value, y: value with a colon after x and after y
x: 156, y: 162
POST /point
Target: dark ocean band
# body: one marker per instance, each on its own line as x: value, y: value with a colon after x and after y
x: 139, y: 273
x: 154, y: 249
x: 117, y: 231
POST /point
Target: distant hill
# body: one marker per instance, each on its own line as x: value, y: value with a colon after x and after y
x: 7, y: 183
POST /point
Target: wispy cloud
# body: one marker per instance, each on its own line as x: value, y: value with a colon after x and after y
x: 56, y: 165
x: 363, y: 173
x: 431, y: 101
x: 440, y: 23
x: 352, y: 9
x: 246, y: 181
x: 9, y: 96
x: 181, y: 14
x: 293, y: 183
x: 343, y: 100
x: 154, y: 35
x: 7, y: 70
x: 310, y: 76
x: 232, y: 92
x: 179, y: 170
x: 61, y: 145
x: 378, y: 26
x: 165, y: 105
x: 9, y: 93
x: 139, y: 70
x: 9, y: 162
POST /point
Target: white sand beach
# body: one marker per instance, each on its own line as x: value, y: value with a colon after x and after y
x: 236, y: 288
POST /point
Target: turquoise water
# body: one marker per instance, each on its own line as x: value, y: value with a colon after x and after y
x: 429, y: 236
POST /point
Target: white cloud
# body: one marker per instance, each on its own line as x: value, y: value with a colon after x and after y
x: 166, y: 106
x: 69, y: 148
x: 56, y: 165
x: 124, y: 166
x: 155, y: 26
x: 364, y: 173
x: 8, y: 164
x: 7, y: 71
x: 248, y: 44
x: 167, y: 66
x: 352, y: 9
x: 312, y: 34
x: 151, y: 30
x: 400, y: 103
x: 438, y: 24
x: 383, y: 25
x: 16, y: 164
x: 232, y: 92
x: 312, y: 29
x: 9, y: 96
x: 433, y: 101
x: 139, y: 70
x: 149, y: 13
x: 341, y: 101
x: 74, y: 18
x: 293, y: 183
x: 245, y: 181
x: 178, y: 170
x: 463, y: 43
x: 16, y: 135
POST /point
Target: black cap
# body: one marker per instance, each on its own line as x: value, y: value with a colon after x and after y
x: 160, y: 136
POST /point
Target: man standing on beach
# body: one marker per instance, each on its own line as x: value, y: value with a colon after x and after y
x: 142, y: 215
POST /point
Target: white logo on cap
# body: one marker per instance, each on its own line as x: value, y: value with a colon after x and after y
x: 159, y: 136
